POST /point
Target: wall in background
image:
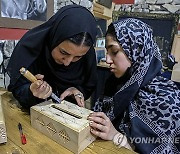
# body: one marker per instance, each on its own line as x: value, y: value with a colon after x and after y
x: 8, y: 36
x: 60, y: 3
x: 152, y: 6
x: 6, y: 49
x: 123, y: 1
x: 14, y: 34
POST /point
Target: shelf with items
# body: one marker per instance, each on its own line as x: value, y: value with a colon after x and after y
x: 103, y: 12
x: 103, y: 15
x: 101, y: 57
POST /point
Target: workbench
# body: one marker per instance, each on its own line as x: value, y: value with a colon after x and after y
x: 37, y: 143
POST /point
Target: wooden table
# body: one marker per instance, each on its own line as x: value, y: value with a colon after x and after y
x: 38, y: 143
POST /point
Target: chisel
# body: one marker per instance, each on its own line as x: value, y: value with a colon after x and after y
x: 32, y: 78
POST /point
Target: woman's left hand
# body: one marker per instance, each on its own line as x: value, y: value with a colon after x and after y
x: 101, y: 126
x: 77, y: 94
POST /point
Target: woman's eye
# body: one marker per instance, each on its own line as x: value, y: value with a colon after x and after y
x: 63, y: 52
x: 114, y: 53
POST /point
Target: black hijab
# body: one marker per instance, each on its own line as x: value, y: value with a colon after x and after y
x: 68, y: 21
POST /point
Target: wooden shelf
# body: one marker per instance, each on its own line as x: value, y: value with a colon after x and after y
x: 102, y: 12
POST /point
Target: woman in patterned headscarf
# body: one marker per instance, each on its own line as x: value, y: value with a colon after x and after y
x: 142, y: 105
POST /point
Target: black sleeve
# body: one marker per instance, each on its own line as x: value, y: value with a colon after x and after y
x: 24, y: 96
x: 21, y: 91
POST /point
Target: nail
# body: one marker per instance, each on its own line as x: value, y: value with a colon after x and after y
x: 90, y: 123
x: 89, y: 118
x: 91, y: 113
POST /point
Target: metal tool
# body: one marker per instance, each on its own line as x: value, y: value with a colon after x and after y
x: 32, y: 78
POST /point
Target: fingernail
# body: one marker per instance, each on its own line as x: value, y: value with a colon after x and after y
x: 89, y: 117
x: 90, y: 123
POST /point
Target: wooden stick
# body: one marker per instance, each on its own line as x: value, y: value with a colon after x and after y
x: 28, y: 74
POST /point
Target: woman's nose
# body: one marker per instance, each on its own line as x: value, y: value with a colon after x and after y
x: 67, y: 61
x: 108, y: 59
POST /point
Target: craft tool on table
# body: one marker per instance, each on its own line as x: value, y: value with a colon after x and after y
x: 23, y: 137
x: 32, y: 78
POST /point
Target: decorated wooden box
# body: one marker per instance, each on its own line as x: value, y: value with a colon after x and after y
x: 176, y: 73
x: 3, y: 135
x: 65, y: 123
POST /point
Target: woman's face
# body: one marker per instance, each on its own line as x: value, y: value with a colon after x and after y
x: 67, y: 52
x: 116, y: 57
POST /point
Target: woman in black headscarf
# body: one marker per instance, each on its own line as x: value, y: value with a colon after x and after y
x: 60, y: 53
x: 144, y: 106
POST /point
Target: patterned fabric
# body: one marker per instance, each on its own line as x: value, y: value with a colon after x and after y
x: 149, y: 103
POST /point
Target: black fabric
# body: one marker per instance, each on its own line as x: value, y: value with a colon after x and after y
x: 113, y: 84
x: 33, y: 52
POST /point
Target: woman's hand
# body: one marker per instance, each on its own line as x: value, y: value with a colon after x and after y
x: 77, y: 94
x: 40, y: 88
x: 101, y: 126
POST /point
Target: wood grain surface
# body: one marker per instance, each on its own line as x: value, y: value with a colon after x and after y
x: 37, y: 143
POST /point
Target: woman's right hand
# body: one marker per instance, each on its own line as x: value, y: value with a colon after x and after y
x: 40, y: 88
x: 101, y: 126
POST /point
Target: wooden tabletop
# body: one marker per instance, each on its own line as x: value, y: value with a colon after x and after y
x: 38, y: 143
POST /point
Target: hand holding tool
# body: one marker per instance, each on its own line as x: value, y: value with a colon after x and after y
x: 32, y: 78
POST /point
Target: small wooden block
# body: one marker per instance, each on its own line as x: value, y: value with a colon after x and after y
x: 176, y: 73
x: 65, y: 123
x: 96, y: 9
x: 3, y: 135
x: 102, y: 12
x: 176, y: 48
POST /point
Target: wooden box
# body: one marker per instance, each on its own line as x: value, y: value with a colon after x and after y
x: 65, y: 123
x: 3, y: 135
x: 176, y: 48
x: 176, y: 73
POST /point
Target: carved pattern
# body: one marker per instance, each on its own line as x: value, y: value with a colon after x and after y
x: 90, y: 138
x: 51, y: 129
x: 62, y: 134
x: 2, y: 133
x: 40, y: 121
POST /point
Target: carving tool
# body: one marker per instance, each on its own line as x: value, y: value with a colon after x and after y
x: 32, y: 78
x: 23, y: 137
